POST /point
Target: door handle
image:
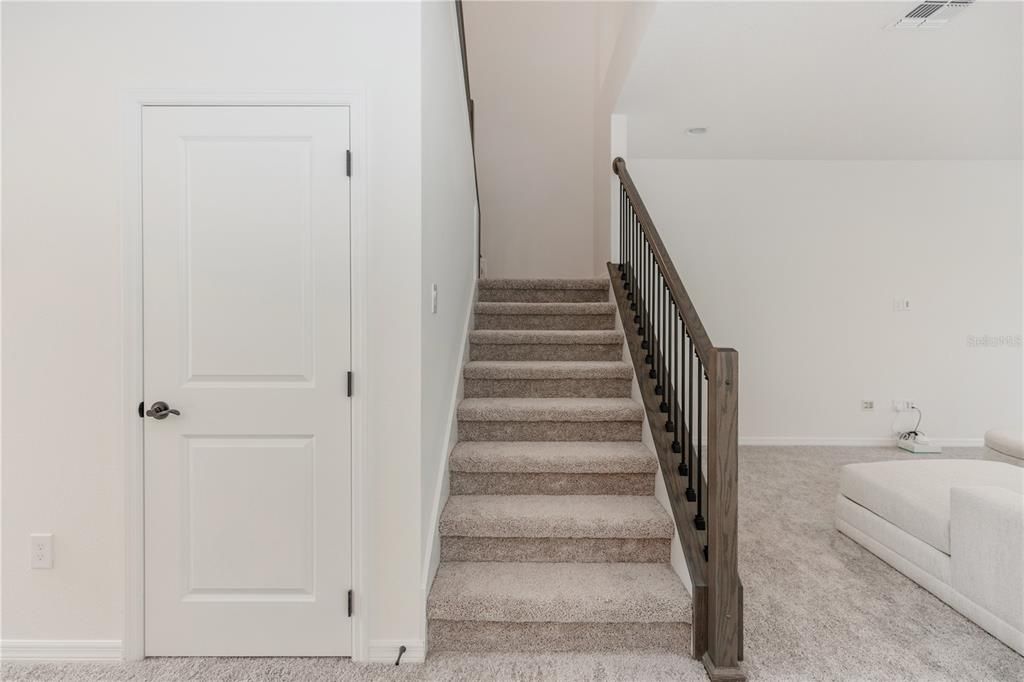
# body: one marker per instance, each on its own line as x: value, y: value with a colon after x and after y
x: 160, y: 410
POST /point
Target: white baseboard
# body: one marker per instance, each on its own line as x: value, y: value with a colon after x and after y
x: 432, y: 556
x: 865, y: 442
x: 60, y: 649
x: 386, y: 651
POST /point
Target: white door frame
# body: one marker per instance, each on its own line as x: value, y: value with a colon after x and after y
x: 133, y: 643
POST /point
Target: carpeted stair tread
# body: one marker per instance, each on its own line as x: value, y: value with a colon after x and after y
x: 550, y: 410
x: 558, y: 593
x: 551, y: 537
x: 565, y: 337
x: 599, y: 283
x: 565, y: 457
x: 513, y: 308
x: 547, y: 369
x: 555, y: 516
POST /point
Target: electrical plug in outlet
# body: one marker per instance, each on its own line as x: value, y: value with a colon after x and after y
x: 42, y: 550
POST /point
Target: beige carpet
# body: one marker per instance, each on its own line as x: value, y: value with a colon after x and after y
x: 818, y: 607
x: 532, y: 559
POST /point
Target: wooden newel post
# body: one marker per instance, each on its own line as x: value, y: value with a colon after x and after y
x: 724, y: 618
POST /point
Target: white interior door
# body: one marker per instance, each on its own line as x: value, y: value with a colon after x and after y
x: 246, y: 334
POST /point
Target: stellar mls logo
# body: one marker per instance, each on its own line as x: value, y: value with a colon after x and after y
x: 989, y: 341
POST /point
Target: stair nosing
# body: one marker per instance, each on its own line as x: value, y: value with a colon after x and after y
x: 550, y: 410
x: 554, y: 308
x: 547, y: 369
x: 559, y: 337
x: 550, y: 284
x: 563, y: 517
x: 552, y: 457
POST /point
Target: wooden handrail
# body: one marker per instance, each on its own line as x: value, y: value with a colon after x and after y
x: 709, y: 543
x: 694, y: 326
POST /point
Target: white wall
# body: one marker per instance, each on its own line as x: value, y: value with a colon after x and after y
x: 449, y: 255
x: 65, y: 67
x: 622, y: 26
x: 796, y: 265
x: 533, y: 70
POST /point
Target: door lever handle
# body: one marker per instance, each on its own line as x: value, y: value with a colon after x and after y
x: 160, y: 410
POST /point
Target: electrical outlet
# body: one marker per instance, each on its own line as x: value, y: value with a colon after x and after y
x: 903, y: 405
x: 901, y: 305
x: 433, y: 298
x: 42, y: 550
x: 867, y: 405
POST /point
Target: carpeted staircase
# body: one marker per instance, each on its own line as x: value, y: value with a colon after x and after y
x: 551, y: 539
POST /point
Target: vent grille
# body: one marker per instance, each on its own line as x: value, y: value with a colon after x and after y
x: 932, y: 14
x: 924, y: 11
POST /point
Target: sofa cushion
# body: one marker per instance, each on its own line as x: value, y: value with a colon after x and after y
x: 914, y: 495
x: 986, y: 535
x: 1009, y: 443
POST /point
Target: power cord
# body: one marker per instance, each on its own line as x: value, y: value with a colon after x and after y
x: 913, y: 434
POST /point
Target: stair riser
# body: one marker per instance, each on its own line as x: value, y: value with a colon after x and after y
x: 585, y: 550
x: 492, y: 636
x: 544, y: 351
x: 562, y: 322
x: 549, y: 431
x: 547, y: 388
x: 470, y: 483
x: 542, y: 296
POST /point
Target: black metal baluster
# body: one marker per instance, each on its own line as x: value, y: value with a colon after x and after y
x: 638, y: 317
x: 622, y: 257
x: 690, y: 495
x: 668, y: 379
x: 663, y: 345
x: 633, y: 254
x: 676, y: 415
x: 631, y: 222
x: 646, y: 345
x: 633, y: 260
x: 626, y: 231
x: 651, y: 350
x: 654, y: 341
x: 698, y: 520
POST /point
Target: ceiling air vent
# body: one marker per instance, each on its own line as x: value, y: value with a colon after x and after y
x: 932, y: 14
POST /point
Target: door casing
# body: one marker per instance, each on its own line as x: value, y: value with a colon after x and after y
x: 133, y: 643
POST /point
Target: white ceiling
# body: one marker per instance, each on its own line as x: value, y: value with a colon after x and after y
x: 826, y: 80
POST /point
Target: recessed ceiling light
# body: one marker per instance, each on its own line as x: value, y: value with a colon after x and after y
x: 696, y: 131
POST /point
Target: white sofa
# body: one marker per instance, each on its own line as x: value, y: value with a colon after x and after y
x: 1010, y: 443
x: 955, y: 527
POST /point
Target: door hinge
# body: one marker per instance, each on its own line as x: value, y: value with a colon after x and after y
x: 348, y: 162
x: 348, y: 384
x: 350, y: 603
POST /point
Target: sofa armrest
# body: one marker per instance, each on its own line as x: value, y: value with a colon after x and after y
x: 986, y: 542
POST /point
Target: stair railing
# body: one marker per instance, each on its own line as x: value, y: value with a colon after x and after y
x: 472, y: 131
x: 690, y: 391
